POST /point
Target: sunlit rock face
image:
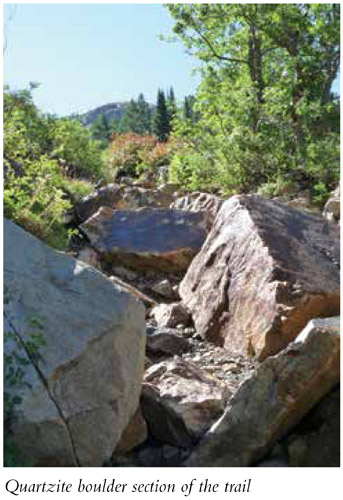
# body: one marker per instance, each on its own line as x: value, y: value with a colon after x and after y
x: 264, y: 271
x: 82, y: 386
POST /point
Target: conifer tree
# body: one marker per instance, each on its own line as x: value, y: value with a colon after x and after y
x: 171, y: 103
x: 144, y: 115
x: 101, y: 129
x: 161, y: 119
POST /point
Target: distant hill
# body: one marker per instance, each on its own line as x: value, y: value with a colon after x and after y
x: 113, y: 110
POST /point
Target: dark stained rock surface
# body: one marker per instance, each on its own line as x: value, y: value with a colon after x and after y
x: 147, y: 238
x: 276, y: 397
x: 264, y: 271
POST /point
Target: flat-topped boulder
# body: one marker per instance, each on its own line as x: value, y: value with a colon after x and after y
x: 80, y: 344
x: 264, y: 271
x: 162, y: 239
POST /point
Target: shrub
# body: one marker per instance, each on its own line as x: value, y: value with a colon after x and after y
x: 77, y: 188
x: 35, y: 185
x: 73, y: 143
x: 128, y: 152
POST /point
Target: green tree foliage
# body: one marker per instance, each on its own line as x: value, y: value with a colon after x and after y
x: 161, y: 118
x: 144, y: 116
x: 101, y: 130
x: 137, y: 117
x: 32, y: 189
x: 265, y: 98
x: 171, y: 105
x: 37, y: 151
x: 188, y: 112
x: 73, y: 142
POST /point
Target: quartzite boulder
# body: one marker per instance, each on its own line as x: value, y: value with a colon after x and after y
x: 120, y: 197
x: 166, y: 341
x: 315, y: 442
x: 86, y: 380
x: 134, y: 434
x: 266, y: 406
x: 332, y: 209
x: 180, y: 401
x: 171, y: 315
x: 106, y: 196
x: 264, y: 271
x: 147, y: 238
x: 199, y: 202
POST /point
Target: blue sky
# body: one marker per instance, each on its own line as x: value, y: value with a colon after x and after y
x: 88, y: 55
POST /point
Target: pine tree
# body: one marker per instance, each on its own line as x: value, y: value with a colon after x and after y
x: 144, y: 115
x: 188, y: 109
x: 171, y: 103
x: 161, y: 119
x: 128, y: 122
x: 137, y: 117
x: 101, y: 129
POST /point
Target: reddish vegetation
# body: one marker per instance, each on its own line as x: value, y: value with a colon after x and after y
x: 131, y: 150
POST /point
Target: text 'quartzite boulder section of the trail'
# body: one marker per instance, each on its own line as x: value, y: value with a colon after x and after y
x: 147, y: 238
x: 264, y: 271
x: 80, y: 389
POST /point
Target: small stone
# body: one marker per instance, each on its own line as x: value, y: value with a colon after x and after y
x: 197, y: 336
x: 89, y: 256
x: 188, y: 332
x: 124, y: 272
x: 167, y: 342
x: 171, y: 315
x: 164, y: 288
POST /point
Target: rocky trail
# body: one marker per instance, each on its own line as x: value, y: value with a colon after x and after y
x: 182, y: 330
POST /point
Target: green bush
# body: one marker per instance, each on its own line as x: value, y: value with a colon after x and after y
x: 37, y: 188
x: 73, y: 143
x: 36, y: 201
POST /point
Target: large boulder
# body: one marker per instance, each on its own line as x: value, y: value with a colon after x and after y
x: 161, y: 239
x: 264, y: 271
x: 106, y: 196
x: 332, y: 209
x: 134, y: 434
x: 315, y: 442
x: 81, y: 388
x: 199, y: 202
x: 180, y: 401
x: 121, y: 197
x: 266, y: 406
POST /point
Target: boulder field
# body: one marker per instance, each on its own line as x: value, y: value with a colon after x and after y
x: 189, y: 331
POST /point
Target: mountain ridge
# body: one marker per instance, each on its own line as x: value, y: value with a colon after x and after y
x: 113, y: 110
